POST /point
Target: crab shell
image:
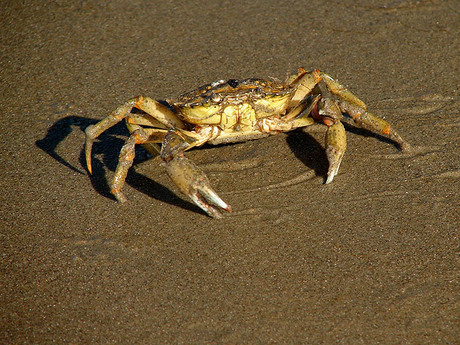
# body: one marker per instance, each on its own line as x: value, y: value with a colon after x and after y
x: 233, y: 103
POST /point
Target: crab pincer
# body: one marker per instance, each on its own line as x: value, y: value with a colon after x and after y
x: 194, y: 183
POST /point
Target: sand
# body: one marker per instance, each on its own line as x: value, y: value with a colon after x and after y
x: 372, y: 258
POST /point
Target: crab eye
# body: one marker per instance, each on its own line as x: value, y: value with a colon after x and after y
x: 233, y: 83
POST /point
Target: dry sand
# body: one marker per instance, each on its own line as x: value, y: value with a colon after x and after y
x: 372, y: 258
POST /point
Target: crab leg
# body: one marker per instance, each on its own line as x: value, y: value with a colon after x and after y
x: 338, y: 89
x: 127, y: 153
x: 357, y: 110
x: 304, y: 87
x: 152, y: 148
x: 158, y: 113
x: 336, y: 140
x: 304, y: 106
x: 373, y: 123
x: 93, y: 131
x: 189, y: 178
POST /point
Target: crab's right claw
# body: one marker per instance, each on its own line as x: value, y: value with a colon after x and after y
x: 193, y: 182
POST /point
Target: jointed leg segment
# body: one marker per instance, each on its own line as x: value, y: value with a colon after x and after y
x: 93, y: 131
x: 127, y: 154
x: 369, y: 121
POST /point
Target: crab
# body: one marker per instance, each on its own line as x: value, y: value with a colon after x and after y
x: 229, y: 111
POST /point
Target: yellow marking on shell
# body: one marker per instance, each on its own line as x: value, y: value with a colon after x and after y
x: 242, y: 114
x: 247, y: 114
x: 271, y: 105
x: 202, y: 114
x: 229, y: 117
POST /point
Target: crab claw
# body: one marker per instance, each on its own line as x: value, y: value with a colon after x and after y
x: 193, y: 182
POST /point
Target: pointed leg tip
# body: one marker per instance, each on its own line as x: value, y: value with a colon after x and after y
x: 88, y: 149
x: 212, y: 197
x: 119, y: 196
x: 333, y: 171
x: 330, y: 175
x: 89, y: 166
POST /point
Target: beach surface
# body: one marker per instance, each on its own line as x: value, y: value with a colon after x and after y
x: 372, y: 258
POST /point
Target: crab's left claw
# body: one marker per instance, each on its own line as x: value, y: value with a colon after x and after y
x: 193, y: 182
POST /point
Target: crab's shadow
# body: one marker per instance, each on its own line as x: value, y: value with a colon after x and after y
x: 309, y: 151
x: 107, y: 147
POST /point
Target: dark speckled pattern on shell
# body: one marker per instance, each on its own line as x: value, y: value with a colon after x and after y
x: 232, y: 91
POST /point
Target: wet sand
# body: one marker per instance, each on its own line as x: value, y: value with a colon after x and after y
x: 372, y: 258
